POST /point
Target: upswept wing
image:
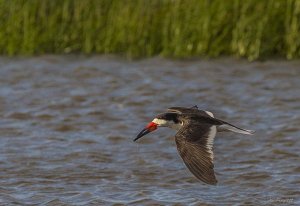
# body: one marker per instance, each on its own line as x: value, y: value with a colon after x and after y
x: 194, y: 109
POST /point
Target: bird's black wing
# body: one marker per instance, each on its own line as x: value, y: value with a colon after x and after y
x: 208, y: 117
x: 194, y: 110
x: 183, y: 109
x: 195, y: 143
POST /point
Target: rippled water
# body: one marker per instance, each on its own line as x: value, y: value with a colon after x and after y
x: 67, y: 125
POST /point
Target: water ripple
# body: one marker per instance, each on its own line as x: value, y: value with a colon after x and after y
x: 67, y: 125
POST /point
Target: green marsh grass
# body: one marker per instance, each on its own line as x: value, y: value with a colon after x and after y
x: 143, y: 28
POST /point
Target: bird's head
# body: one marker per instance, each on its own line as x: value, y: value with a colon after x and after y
x: 162, y: 120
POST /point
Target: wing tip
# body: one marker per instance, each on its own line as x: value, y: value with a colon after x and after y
x: 229, y: 127
x: 212, y: 182
x: 209, y: 180
x: 250, y: 132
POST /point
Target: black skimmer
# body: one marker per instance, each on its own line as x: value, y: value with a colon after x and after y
x: 196, y: 130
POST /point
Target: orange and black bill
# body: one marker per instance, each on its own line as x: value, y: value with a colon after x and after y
x: 149, y: 128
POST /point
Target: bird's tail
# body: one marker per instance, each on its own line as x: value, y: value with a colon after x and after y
x: 229, y: 127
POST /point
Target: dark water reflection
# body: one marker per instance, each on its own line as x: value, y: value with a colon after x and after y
x: 67, y: 125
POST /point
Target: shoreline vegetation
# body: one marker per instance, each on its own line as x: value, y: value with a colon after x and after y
x: 251, y: 29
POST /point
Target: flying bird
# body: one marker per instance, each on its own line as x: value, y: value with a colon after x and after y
x: 196, y: 130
